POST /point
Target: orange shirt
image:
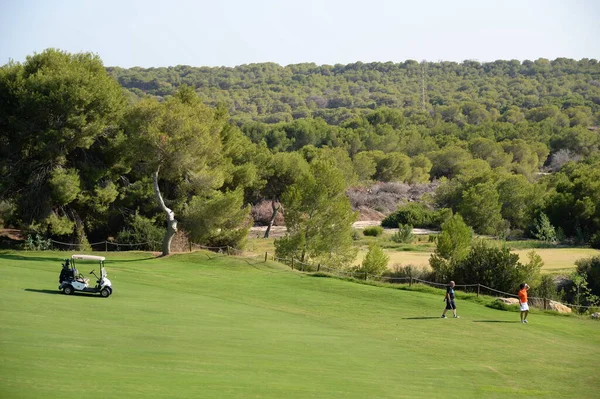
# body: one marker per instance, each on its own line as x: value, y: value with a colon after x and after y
x: 523, y: 295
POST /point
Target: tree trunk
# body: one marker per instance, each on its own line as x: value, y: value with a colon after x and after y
x: 171, y: 221
x: 273, y: 216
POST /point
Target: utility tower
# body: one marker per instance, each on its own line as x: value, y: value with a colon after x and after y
x: 423, y: 71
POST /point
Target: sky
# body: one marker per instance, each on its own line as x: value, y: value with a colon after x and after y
x: 153, y: 33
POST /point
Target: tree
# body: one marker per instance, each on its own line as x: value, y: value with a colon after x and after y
x: 544, y: 230
x: 573, y: 205
x: 497, y: 268
x: 59, y: 158
x: 180, y: 139
x: 590, y: 268
x: 518, y: 199
x: 480, y: 208
x: 375, y: 262
x: 452, y: 247
x: 281, y: 172
x: 364, y: 166
x: 420, y: 167
x: 318, y: 218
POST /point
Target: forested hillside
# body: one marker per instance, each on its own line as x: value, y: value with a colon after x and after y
x: 469, y: 92
x: 513, y: 147
x: 493, y: 132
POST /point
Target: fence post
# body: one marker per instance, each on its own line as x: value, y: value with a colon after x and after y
x: 228, y: 250
x: 478, y: 289
x: 105, y: 246
x: 189, y: 242
x: 545, y: 304
x: 292, y: 263
x: 266, y: 254
x: 318, y: 267
x: 410, y: 282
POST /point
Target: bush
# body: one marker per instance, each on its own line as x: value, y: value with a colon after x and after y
x: 547, y: 288
x: 142, y: 230
x: 355, y: 235
x: 418, y: 215
x: 375, y: 261
x: 404, y: 234
x: 544, y: 230
x: 590, y: 268
x: 410, y: 271
x: 373, y: 231
x: 497, y: 268
x: 37, y: 244
x: 499, y: 305
x: 595, y: 241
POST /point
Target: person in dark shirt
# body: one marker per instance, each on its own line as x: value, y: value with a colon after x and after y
x: 449, y: 299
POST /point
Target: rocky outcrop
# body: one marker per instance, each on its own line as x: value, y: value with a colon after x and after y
x: 559, y: 307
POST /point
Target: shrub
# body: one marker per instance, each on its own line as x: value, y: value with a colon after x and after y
x: 497, y: 268
x: 142, y: 230
x: 544, y: 230
x: 595, y: 241
x: 37, y: 243
x: 590, y: 267
x: 418, y: 215
x: 355, y: 235
x: 375, y: 261
x: 404, y: 234
x: 411, y: 271
x: 373, y: 231
x: 499, y: 305
x: 547, y: 288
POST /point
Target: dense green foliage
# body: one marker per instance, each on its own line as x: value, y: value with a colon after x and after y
x: 373, y: 231
x: 318, y: 218
x: 504, y: 142
x: 417, y: 215
x: 467, y: 93
x: 59, y: 138
x: 497, y: 267
x: 404, y: 234
x: 590, y: 268
x: 375, y: 262
x: 452, y: 247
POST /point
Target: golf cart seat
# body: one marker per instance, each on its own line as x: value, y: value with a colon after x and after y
x: 79, y: 277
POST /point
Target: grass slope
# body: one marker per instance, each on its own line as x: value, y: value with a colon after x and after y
x: 199, y: 325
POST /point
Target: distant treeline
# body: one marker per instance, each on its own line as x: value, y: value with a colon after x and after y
x: 468, y: 92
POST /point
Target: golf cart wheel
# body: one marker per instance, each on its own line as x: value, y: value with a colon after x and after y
x: 105, y: 292
x: 68, y: 290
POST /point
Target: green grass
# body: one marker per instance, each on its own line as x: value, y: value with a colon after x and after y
x: 201, y: 325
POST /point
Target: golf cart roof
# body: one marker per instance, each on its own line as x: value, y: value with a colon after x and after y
x: 88, y: 257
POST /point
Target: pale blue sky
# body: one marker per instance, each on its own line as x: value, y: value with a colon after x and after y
x: 151, y: 33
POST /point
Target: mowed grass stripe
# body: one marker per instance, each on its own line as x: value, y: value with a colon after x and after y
x: 190, y: 326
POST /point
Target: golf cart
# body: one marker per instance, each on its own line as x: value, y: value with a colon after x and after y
x: 71, y: 280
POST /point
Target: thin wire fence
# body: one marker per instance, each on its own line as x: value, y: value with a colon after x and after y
x: 478, y: 289
x: 253, y: 258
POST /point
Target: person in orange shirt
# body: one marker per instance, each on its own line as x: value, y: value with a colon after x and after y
x: 523, y: 302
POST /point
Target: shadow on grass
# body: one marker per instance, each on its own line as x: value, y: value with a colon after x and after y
x: 421, y: 318
x: 29, y: 258
x: 54, y: 259
x: 496, y: 321
x: 43, y: 291
x: 55, y: 292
